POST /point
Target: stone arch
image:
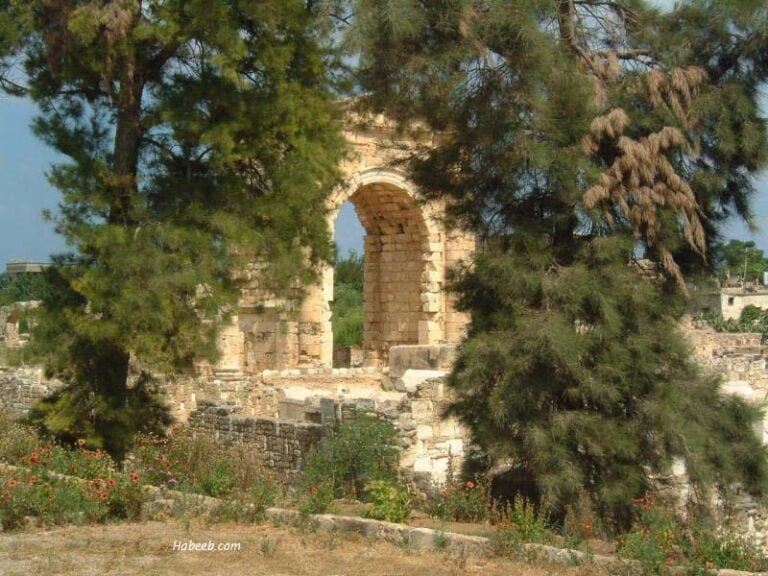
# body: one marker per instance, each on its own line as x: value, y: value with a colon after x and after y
x: 403, y: 299
x: 407, y: 253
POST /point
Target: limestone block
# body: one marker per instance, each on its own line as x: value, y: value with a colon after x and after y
x: 420, y: 357
x: 440, y: 470
x: 424, y: 432
x: 449, y: 428
x: 742, y: 389
x: 411, y: 379
x: 421, y: 410
x: 423, y: 463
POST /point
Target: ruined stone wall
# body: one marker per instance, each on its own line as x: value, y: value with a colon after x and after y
x: 21, y: 387
x: 408, y: 252
x: 11, y: 335
x: 429, y: 445
x: 283, y: 445
x: 741, y: 360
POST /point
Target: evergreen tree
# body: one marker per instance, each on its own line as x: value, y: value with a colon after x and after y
x: 201, y: 136
x: 739, y: 260
x: 575, y: 134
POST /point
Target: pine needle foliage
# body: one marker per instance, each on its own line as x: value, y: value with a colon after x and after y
x: 573, y: 135
x: 200, y: 136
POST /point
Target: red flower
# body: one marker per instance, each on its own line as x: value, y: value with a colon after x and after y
x: 134, y: 476
x: 470, y: 484
x: 111, y: 482
x: 12, y: 483
x: 80, y: 442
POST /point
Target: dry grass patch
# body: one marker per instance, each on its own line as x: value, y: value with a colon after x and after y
x: 140, y: 549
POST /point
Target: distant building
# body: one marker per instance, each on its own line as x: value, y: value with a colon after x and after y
x: 16, y: 267
x: 734, y: 300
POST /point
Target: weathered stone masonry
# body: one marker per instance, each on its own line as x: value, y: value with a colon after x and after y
x: 408, y: 251
x: 283, y: 445
x: 413, y: 402
x: 21, y: 387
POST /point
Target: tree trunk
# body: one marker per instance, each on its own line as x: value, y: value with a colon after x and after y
x: 128, y: 135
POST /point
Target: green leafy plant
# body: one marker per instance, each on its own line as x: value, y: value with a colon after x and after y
x: 361, y: 449
x: 389, y: 501
x: 462, y: 501
x: 220, y: 481
x: 317, y: 498
x: 659, y: 538
x: 520, y: 522
x: 249, y: 506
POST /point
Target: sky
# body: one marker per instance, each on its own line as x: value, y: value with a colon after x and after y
x: 25, y: 193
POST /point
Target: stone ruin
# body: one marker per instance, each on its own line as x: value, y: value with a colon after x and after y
x: 12, y: 332
x: 275, y: 386
x: 408, y: 250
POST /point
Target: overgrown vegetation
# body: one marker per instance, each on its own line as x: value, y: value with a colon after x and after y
x: 23, y: 288
x: 659, y: 539
x: 95, y: 490
x: 347, y: 319
x: 752, y: 319
x: 199, y: 463
x: 361, y: 450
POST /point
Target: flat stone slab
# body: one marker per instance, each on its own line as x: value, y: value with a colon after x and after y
x: 421, y: 357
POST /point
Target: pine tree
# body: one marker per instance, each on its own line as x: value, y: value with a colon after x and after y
x: 574, y: 135
x: 200, y: 136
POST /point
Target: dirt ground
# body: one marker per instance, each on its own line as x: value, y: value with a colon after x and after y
x: 146, y: 549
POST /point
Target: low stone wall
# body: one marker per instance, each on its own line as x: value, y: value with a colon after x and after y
x: 283, y: 445
x: 429, y: 444
x: 21, y: 387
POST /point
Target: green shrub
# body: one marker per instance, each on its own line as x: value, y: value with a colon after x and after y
x: 197, y: 463
x: 317, y: 498
x: 248, y: 506
x: 361, y: 450
x: 462, y: 501
x: 220, y: 481
x: 520, y: 522
x: 54, y: 501
x: 659, y: 538
x: 390, y: 501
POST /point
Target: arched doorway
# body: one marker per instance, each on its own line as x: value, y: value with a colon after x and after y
x: 407, y: 251
x: 399, y: 264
